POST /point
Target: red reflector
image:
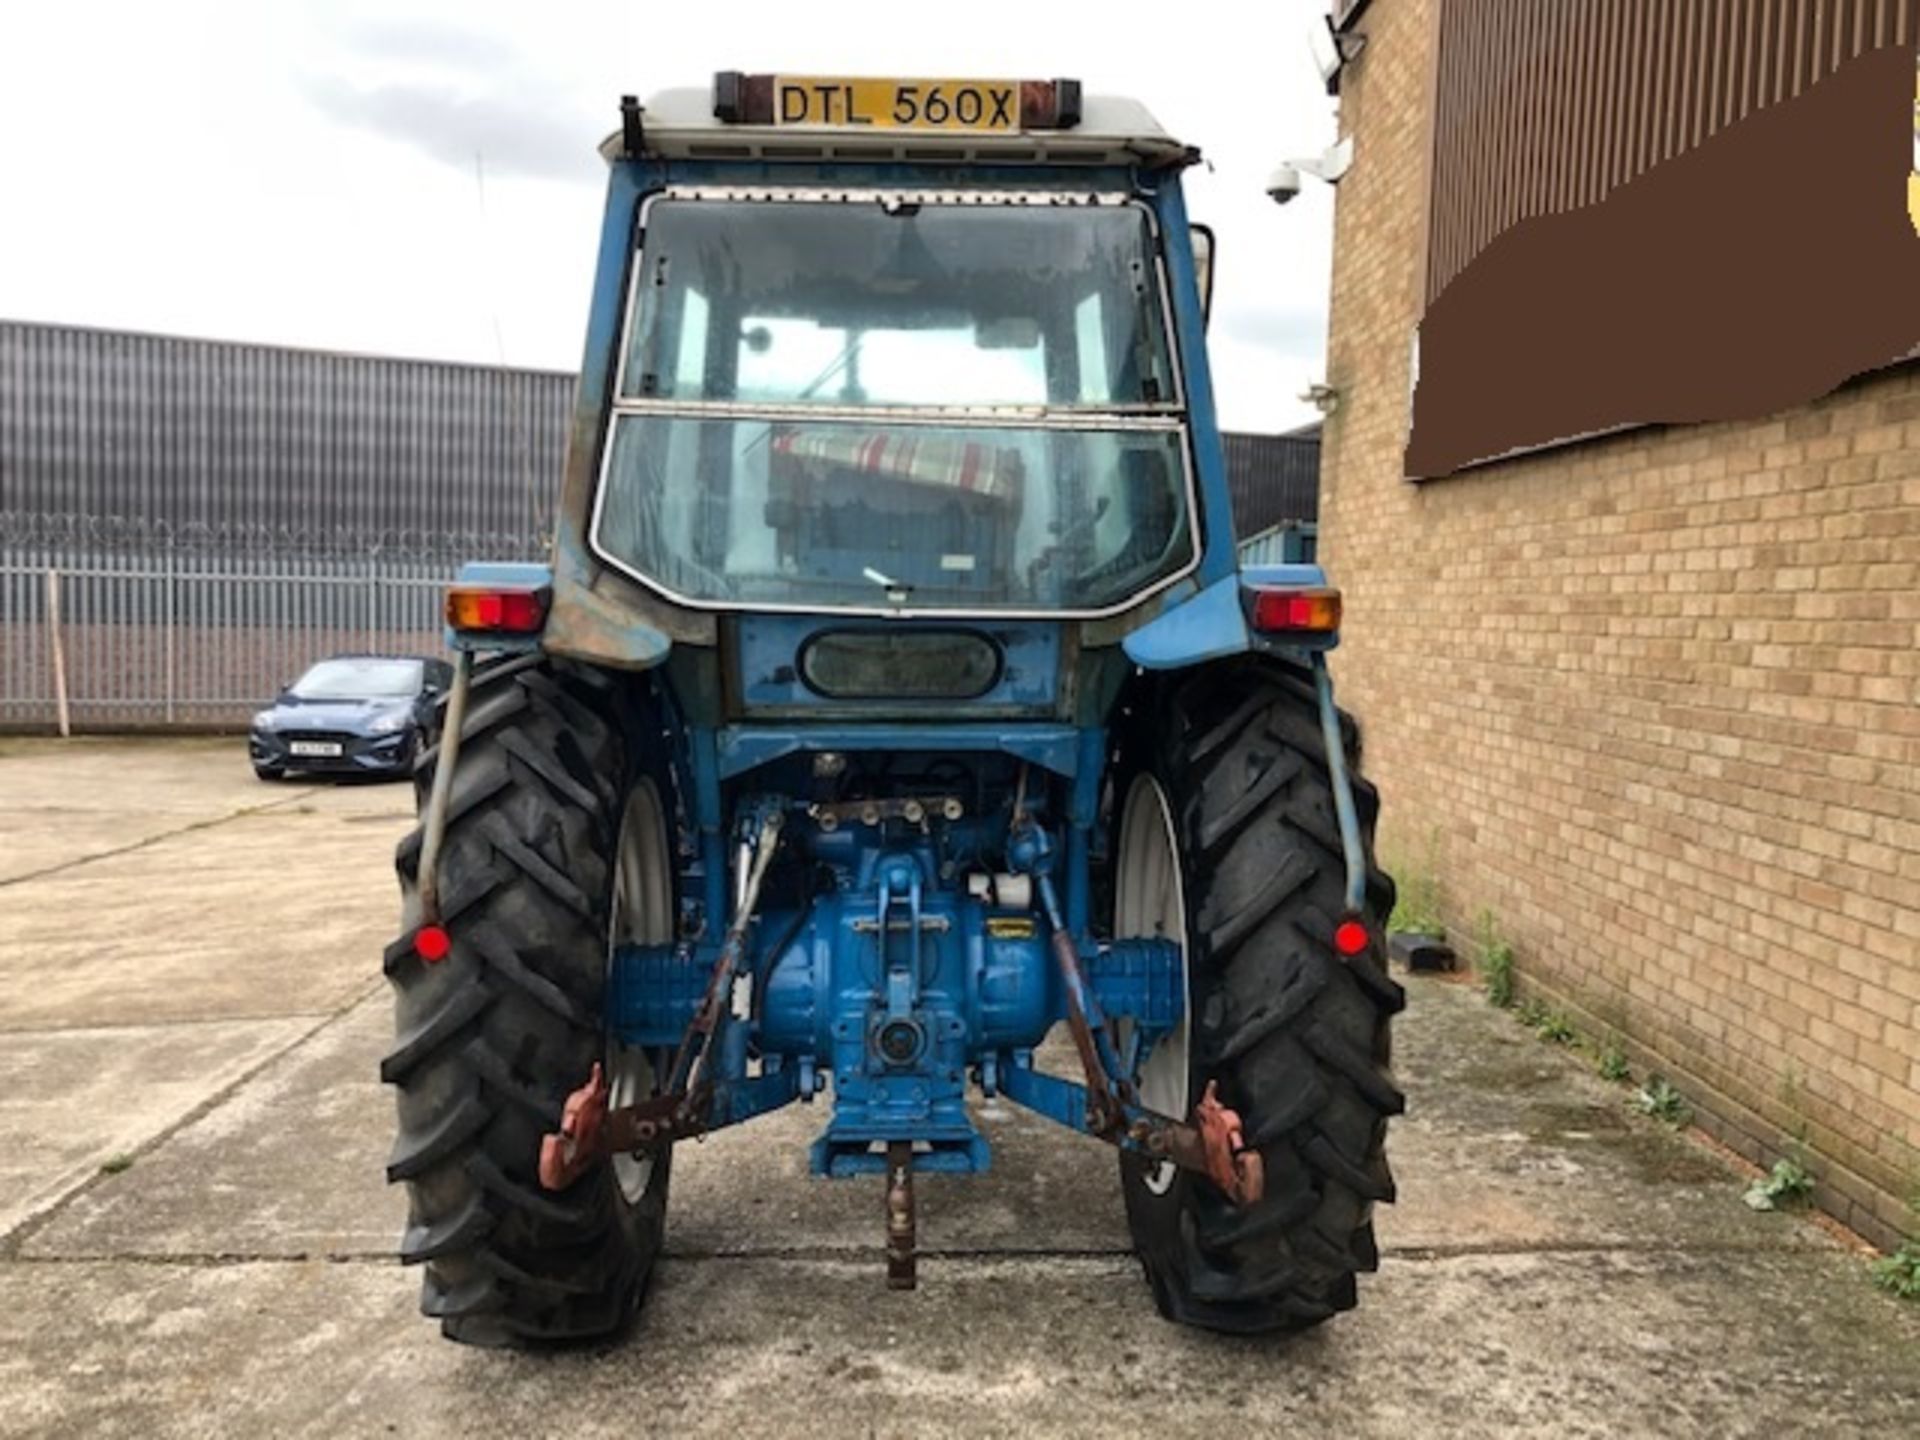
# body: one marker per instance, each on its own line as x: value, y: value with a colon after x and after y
x: 432, y: 944
x: 515, y: 612
x: 1350, y: 937
x: 1277, y: 610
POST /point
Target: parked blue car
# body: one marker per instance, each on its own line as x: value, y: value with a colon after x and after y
x: 350, y: 715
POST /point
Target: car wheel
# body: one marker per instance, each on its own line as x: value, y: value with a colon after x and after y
x: 418, y: 742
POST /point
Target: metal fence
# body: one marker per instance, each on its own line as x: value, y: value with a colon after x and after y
x: 1293, y: 542
x: 101, y: 639
x: 98, y: 639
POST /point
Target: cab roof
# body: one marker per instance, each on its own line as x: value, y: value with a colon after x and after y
x: 680, y: 124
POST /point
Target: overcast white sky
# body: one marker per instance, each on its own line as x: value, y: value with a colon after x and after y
x: 302, y: 172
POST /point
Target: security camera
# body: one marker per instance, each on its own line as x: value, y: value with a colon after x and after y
x: 1284, y: 183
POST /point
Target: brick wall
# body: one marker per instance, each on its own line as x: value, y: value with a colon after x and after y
x: 1653, y: 700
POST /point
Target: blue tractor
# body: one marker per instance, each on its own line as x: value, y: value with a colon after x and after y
x: 893, y: 702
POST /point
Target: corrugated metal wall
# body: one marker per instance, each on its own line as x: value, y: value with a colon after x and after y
x: 153, y: 442
x: 205, y: 519
x: 1272, y: 479
x: 1547, y: 105
x: 138, y: 439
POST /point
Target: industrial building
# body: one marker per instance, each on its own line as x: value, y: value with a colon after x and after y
x: 186, y: 524
x: 1633, y: 587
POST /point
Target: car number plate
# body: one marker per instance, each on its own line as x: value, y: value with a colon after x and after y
x: 981, y: 105
x: 316, y: 748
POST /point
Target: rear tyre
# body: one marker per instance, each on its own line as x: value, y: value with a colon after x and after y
x: 1227, y: 841
x: 493, y: 1038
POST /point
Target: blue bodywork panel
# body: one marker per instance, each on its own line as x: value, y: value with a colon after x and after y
x: 1213, y: 624
x: 747, y: 747
x: 1283, y: 577
x: 771, y: 679
x: 1210, y: 625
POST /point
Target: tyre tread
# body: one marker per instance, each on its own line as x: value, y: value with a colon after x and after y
x: 492, y: 1038
x: 1295, y: 1035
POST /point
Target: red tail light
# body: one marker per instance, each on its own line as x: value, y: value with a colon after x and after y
x: 1277, y: 611
x: 1350, y: 938
x: 500, y: 610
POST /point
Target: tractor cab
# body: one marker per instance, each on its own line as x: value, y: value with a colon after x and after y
x: 893, y: 349
x: 894, y: 399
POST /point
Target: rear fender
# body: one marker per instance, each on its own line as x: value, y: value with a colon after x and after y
x: 1212, y: 624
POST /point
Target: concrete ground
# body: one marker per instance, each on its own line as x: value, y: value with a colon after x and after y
x: 195, y: 1237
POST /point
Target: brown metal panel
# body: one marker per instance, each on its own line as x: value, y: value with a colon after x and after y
x: 1543, y: 107
x: 1759, y: 78
x: 1447, y: 146
x: 1698, y: 336
x: 1444, y: 144
x: 1696, y: 75
x: 1741, y: 90
x: 1680, y: 93
x: 1552, y: 161
x: 1436, y: 28
x: 1597, y: 54
x: 1532, y: 98
x: 1484, y: 146
x: 1686, y: 57
x: 1787, y: 73
x: 1568, y: 60
x: 1707, y: 53
x: 1669, y: 58
x: 1550, y: 144
x: 1504, y: 79
x: 1584, y: 63
x: 1604, y: 114
x: 1649, y: 62
x: 1530, y: 109
x: 1475, y: 161
x: 1476, y: 97
x: 1564, y: 55
x: 1647, y: 51
x: 1715, y: 64
x: 1800, y: 50
x: 1450, y: 154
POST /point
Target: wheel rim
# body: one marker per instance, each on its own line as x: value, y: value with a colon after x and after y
x: 642, y: 914
x: 1150, y: 901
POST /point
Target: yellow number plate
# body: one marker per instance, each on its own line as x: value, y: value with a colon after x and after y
x: 981, y: 105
